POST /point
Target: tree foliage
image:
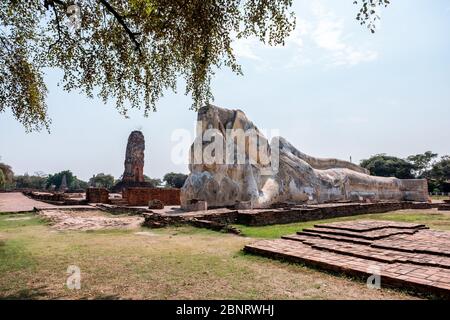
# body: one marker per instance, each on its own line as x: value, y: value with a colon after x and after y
x: 73, y: 183
x: 423, y: 163
x: 368, y: 15
x: 101, y: 180
x: 388, y: 166
x: 37, y: 181
x: 2, y: 179
x: 7, y: 173
x: 420, y: 166
x: 55, y: 180
x: 127, y: 50
x: 130, y: 51
x: 440, y: 174
x: 154, y: 182
x: 175, y: 180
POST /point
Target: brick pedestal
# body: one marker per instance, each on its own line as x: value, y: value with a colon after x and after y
x: 142, y: 196
x: 97, y: 195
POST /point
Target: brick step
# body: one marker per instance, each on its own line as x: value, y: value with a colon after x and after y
x: 383, y: 255
x: 433, y: 257
x: 118, y: 202
x: 406, y: 255
x: 364, y: 250
x: 305, y: 236
x: 426, y: 241
x: 423, y: 278
x: 368, y: 235
x: 369, y: 225
x: 438, y: 252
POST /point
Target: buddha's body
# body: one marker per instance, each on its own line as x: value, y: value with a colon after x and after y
x: 289, y: 176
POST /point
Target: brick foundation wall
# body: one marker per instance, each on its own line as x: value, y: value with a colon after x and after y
x: 45, y: 196
x: 291, y: 215
x: 262, y: 217
x: 141, y: 196
x: 97, y: 195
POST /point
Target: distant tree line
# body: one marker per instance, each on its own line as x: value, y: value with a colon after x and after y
x: 427, y: 166
x: 42, y: 181
x: 170, y: 180
x: 175, y: 180
x: 6, y: 176
x: 102, y: 180
x: 420, y: 166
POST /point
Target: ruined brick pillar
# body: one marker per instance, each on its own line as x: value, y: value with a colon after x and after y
x: 134, y: 158
x: 133, y: 174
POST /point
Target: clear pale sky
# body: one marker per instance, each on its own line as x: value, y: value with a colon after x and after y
x: 334, y: 90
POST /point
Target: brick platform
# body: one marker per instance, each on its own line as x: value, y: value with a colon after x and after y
x: 408, y: 255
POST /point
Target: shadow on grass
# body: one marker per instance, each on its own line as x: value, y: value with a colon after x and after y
x: 102, y: 297
x: 42, y: 293
x: 27, y: 294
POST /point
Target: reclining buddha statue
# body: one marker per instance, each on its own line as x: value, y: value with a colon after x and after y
x: 232, y: 162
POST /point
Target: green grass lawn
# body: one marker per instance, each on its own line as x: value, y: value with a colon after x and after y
x: 169, y: 263
x: 434, y: 219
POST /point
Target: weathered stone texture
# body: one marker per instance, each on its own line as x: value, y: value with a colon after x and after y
x: 196, y: 205
x: 298, y: 178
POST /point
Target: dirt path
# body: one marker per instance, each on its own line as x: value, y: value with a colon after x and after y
x: 88, y: 220
x: 17, y: 202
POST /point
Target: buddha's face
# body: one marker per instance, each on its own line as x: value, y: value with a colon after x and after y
x: 208, y: 119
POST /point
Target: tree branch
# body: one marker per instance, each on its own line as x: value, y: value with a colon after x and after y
x: 48, y: 3
x: 5, y: 44
x: 58, y: 27
x: 120, y: 20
